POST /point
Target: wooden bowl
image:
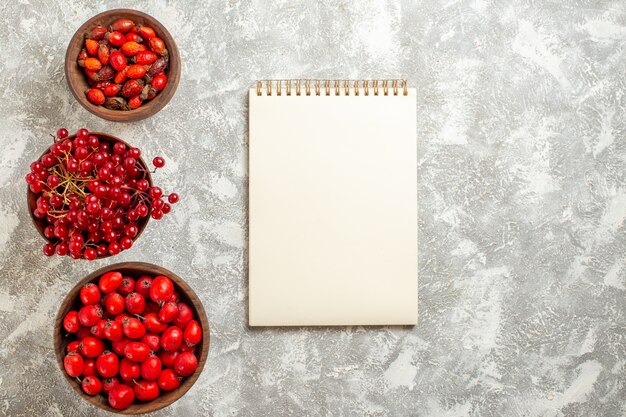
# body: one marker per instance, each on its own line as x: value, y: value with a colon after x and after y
x: 77, y: 80
x: 40, y: 224
x: 135, y: 270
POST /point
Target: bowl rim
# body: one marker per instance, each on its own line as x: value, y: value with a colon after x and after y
x: 31, y: 197
x: 186, y: 291
x: 151, y: 107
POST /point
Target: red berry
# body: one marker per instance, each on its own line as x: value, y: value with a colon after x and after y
x: 48, y: 249
x: 146, y: 390
x: 109, y: 384
x: 90, y: 294
x: 108, y: 364
x: 135, y: 102
x: 122, y: 25
x: 158, y: 162
x: 143, y: 285
x: 137, y: 351
x: 90, y: 347
x: 168, y: 312
x: 73, y: 364
x: 159, y: 82
x: 168, y: 359
x: 193, y: 333
x: 111, y: 90
x: 153, y: 324
x: 62, y: 133
x: 128, y: 284
x: 173, y: 198
x: 135, y: 303
x: 98, y: 330
x: 185, y: 315
x: 171, y: 339
x: 162, y: 289
x: 168, y: 380
x: 133, y: 328
x: 110, y: 281
x: 118, y: 61
x: 186, y: 364
x: 116, y: 39
x: 120, y: 345
x: 90, y: 315
x: 151, y: 368
x: 121, y: 397
x: 152, y: 340
x: 72, y: 346
x: 97, y: 33
x: 90, y: 366
x: 113, y: 331
x: 129, y: 370
x: 114, y: 303
x: 91, y: 385
x: 70, y: 322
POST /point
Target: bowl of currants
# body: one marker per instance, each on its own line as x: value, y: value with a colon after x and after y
x: 122, y: 65
x: 90, y: 195
x: 131, y: 338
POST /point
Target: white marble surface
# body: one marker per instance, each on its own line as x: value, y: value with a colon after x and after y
x: 521, y: 125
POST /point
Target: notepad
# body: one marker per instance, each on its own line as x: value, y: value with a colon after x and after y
x: 332, y: 203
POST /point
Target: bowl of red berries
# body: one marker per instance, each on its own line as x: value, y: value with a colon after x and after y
x: 90, y: 195
x: 131, y: 338
x: 122, y: 65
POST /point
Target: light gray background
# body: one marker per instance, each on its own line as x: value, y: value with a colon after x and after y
x: 521, y: 123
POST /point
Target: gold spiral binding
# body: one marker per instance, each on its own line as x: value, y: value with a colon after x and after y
x: 367, y: 87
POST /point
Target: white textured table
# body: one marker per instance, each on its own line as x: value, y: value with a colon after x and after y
x: 521, y: 126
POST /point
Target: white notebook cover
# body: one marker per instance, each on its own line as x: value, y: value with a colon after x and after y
x: 333, y: 210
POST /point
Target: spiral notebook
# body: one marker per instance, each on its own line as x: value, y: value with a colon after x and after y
x: 332, y: 203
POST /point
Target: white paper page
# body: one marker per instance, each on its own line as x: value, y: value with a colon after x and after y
x: 333, y: 210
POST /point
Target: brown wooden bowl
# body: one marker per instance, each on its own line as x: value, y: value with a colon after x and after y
x: 77, y: 80
x: 135, y: 270
x: 31, y: 198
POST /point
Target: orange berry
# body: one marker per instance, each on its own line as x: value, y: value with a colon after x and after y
x: 132, y: 48
x: 146, y: 32
x: 92, y: 46
x: 95, y: 96
x: 136, y: 71
x: 157, y: 46
x: 103, y: 54
x: 120, y: 77
x: 93, y: 64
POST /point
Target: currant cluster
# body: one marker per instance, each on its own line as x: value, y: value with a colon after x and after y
x: 130, y: 340
x: 91, y: 195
